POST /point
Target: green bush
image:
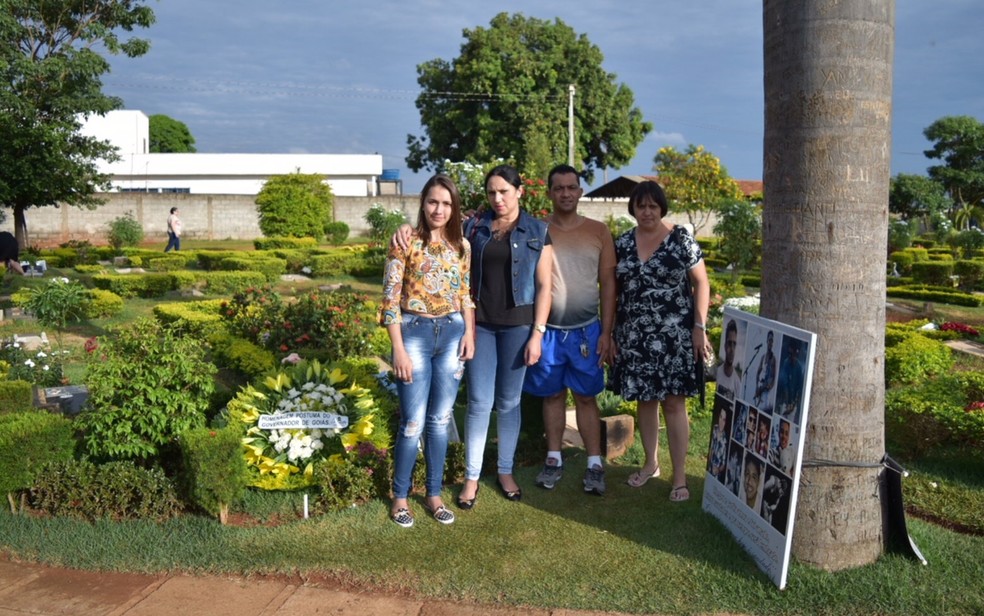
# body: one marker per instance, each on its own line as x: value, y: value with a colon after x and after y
x: 192, y: 318
x: 146, y: 386
x: 136, y: 285
x: 124, y: 231
x: 353, y: 477
x: 274, y: 243
x: 336, y: 232
x: 295, y: 205
x: 226, y: 283
x: 296, y: 259
x: 383, y: 223
x: 57, y: 302
x: 166, y: 263
x: 16, y: 396
x: 332, y: 265
x: 971, y: 273
x: 102, y: 304
x: 215, y: 468
x: 271, y: 267
x: 918, y: 253
x: 935, y: 294
x: 912, y: 425
x: 209, y: 260
x: 904, y: 259
x: 241, y: 355
x: 936, y: 273
x: 369, y: 263
x: 916, y: 358
x: 28, y: 441
x: 116, y: 491
x: 42, y: 367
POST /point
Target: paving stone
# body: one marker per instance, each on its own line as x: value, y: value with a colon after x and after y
x: 311, y: 600
x: 74, y: 593
x: 186, y: 595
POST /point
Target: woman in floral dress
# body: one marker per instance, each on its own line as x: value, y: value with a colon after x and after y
x: 660, y: 329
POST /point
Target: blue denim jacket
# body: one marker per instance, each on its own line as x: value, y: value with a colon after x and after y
x: 527, y: 240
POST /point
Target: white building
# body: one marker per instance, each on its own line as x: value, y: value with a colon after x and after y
x: 351, y: 175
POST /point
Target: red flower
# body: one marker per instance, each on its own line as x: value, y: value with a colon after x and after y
x: 91, y: 345
x: 284, y: 348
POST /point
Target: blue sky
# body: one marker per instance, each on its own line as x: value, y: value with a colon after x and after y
x: 319, y: 77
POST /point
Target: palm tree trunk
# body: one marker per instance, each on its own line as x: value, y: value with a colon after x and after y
x: 828, y: 111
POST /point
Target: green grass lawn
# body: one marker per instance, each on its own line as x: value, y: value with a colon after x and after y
x: 632, y: 550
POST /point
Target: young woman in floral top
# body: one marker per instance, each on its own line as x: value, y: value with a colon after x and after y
x: 429, y: 314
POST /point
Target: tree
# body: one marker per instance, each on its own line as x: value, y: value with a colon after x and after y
x: 168, y: 135
x: 695, y: 182
x: 506, y: 95
x: 50, y: 78
x: 739, y: 226
x: 295, y: 205
x: 828, y: 110
x: 916, y: 196
x: 960, y: 144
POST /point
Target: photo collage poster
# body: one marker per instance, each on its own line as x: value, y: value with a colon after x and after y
x: 764, y: 375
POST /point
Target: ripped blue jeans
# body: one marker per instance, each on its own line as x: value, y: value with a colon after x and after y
x: 426, y: 403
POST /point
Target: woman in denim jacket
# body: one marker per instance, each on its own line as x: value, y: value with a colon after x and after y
x: 511, y: 265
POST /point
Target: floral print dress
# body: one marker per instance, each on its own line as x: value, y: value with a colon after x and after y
x: 654, y: 319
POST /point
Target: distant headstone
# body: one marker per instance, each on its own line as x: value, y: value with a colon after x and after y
x: 68, y: 398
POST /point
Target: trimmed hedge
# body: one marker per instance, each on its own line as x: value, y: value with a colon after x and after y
x: 136, y: 285
x: 214, y: 467
x: 916, y: 358
x: 16, y: 396
x: 271, y: 267
x: 935, y: 294
x: 233, y: 352
x: 195, y: 318
x: 272, y: 243
x: 28, y: 441
x: 936, y: 273
x: 227, y: 283
x: 102, y: 304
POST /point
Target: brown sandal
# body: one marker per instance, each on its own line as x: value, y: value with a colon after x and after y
x: 680, y: 494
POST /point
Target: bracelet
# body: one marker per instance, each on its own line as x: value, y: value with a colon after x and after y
x: 700, y: 326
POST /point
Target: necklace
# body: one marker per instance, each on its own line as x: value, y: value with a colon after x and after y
x: 501, y: 231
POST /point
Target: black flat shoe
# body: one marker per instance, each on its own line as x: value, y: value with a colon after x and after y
x: 512, y: 496
x: 470, y: 502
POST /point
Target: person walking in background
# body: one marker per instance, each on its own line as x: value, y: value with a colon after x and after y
x: 429, y: 314
x: 660, y: 329
x: 10, y: 252
x: 512, y: 258
x: 173, y: 231
x: 576, y: 343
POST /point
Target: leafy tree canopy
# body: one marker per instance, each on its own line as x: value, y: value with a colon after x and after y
x: 915, y: 196
x: 50, y: 78
x: 959, y: 143
x: 168, y: 135
x: 506, y: 96
x: 695, y: 182
x: 295, y: 205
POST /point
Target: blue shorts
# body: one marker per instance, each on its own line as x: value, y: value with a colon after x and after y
x: 562, y: 363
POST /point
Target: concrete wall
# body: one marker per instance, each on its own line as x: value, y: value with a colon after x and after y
x: 218, y: 217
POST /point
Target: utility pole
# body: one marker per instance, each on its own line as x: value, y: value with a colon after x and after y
x: 570, y: 125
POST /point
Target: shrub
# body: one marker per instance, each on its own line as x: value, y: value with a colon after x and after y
x: 136, y: 285
x: 295, y: 205
x: 383, y: 223
x: 241, y: 355
x: 167, y: 263
x: 330, y: 265
x: 904, y: 259
x: 739, y: 226
x: 124, y: 231
x: 28, y: 441
x: 912, y: 426
x: 215, y: 468
x: 619, y: 225
x: 102, y: 304
x: 270, y: 267
x: 971, y: 273
x: 273, y: 243
x: 358, y: 475
x: 191, y: 318
x: 969, y: 240
x: 116, y: 491
x: 936, y: 273
x: 57, y: 302
x: 336, y: 232
x: 42, y: 367
x: 16, y: 396
x: 916, y: 358
x: 900, y: 234
x: 146, y: 386
x: 74, y: 252
x: 225, y: 283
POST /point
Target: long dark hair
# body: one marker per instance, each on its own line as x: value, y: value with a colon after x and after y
x: 452, y: 230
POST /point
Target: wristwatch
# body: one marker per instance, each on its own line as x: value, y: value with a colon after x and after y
x: 540, y: 328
